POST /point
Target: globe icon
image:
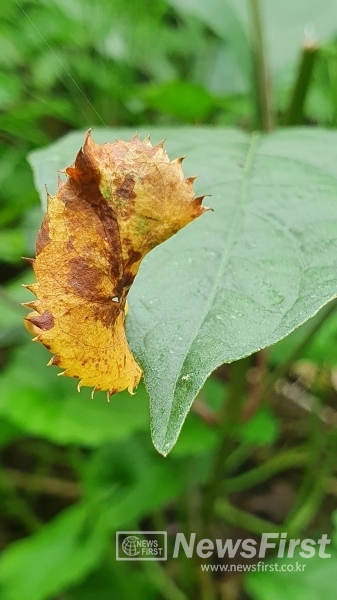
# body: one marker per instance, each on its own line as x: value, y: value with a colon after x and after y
x: 129, y: 545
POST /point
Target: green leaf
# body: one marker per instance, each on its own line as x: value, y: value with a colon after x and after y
x: 186, y: 101
x: 317, y: 580
x: 8, y: 432
x: 119, y: 492
x: 58, y: 555
x: 261, y: 429
x: 50, y: 406
x: 238, y: 279
x: 12, y: 245
x: 322, y: 347
x: 223, y: 20
x: 195, y: 438
x: 11, y: 313
x: 334, y: 522
x: 130, y: 481
x: 286, y: 25
x: 10, y: 90
x: 114, y: 579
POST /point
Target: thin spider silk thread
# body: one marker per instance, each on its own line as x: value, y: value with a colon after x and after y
x: 61, y: 62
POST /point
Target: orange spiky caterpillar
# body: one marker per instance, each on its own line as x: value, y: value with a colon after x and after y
x: 120, y: 200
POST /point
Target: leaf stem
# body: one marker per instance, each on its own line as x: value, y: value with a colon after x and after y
x: 262, y: 78
x: 229, y: 418
x: 289, y: 459
x: 257, y: 375
x: 238, y: 456
x: 239, y: 518
x: 43, y: 484
x: 294, y: 114
x: 160, y: 579
x: 300, y: 518
x: 15, y: 505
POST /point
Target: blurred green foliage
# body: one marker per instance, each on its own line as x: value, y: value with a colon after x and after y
x: 74, y: 471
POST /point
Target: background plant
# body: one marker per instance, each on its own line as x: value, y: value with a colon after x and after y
x: 257, y: 450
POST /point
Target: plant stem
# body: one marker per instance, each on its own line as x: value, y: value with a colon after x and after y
x: 240, y: 518
x: 238, y: 456
x: 290, y: 459
x: 204, y: 412
x: 300, y: 518
x: 294, y: 114
x: 207, y: 591
x: 15, y: 505
x: 160, y: 579
x: 316, y: 449
x: 43, y: 484
x: 262, y: 79
x: 257, y: 375
x: 283, y: 368
x: 229, y: 417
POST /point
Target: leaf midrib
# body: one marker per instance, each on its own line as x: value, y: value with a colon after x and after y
x: 243, y: 196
